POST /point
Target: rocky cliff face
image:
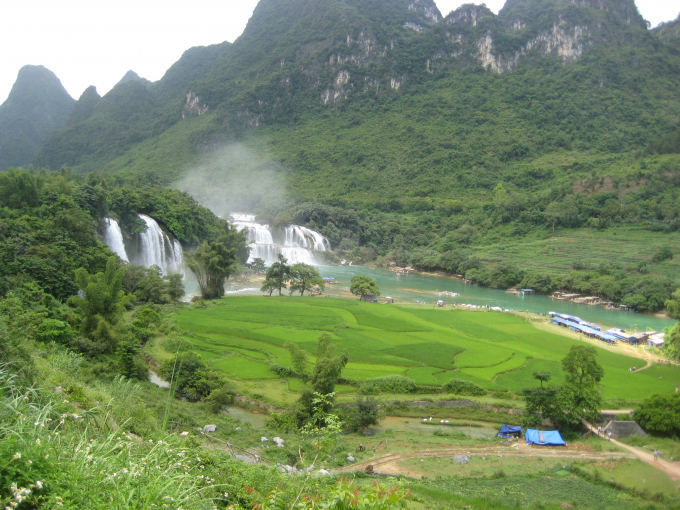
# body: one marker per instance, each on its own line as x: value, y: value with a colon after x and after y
x: 358, y: 57
x: 298, y: 55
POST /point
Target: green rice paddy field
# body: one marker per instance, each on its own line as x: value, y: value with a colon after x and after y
x: 497, y: 351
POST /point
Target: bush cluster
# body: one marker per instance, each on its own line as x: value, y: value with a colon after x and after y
x: 395, y: 384
x: 460, y: 387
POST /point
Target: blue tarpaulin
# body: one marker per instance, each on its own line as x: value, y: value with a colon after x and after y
x: 507, y: 430
x: 544, y: 437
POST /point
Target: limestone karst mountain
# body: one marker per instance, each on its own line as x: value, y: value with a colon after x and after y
x: 37, y: 105
x: 383, y: 98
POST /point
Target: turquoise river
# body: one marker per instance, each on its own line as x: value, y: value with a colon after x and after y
x: 423, y: 288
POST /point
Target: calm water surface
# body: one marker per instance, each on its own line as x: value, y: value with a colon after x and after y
x: 420, y: 287
x: 414, y: 288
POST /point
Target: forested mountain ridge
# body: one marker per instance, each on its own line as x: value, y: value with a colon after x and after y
x: 37, y: 105
x: 669, y: 32
x: 444, y: 142
x: 561, y: 64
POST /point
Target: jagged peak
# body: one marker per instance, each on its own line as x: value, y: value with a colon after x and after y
x: 426, y: 9
x: 85, y: 106
x: 624, y: 9
x: 669, y: 31
x: 30, y: 75
x: 89, y: 92
x: 129, y: 76
x: 468, y: 15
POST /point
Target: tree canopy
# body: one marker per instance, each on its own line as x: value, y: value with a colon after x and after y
x: 660, y: 414
x: 102, y: 303
x: 276, y: 276
x: 364, y: 286
x: 304, y: 277
x: 581, y: 367
x: 212, y: 263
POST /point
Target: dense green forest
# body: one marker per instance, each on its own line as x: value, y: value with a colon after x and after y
x: 404, y: 137
x: 37, y: 106
x: 539, y: 148
x: 77, y: 415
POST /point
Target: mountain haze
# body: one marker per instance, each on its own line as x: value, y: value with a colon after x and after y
x: 37, y: 105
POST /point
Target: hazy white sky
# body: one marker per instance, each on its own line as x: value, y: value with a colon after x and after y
x: 95, y: 42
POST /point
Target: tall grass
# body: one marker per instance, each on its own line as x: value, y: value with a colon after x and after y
x: 54, y: 455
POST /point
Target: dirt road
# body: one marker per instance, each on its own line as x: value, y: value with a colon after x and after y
x: 672, y: 469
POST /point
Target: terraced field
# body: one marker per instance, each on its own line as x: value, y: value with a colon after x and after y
x: 243, y: 335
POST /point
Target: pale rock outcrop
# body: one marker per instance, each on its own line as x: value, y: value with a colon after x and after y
x: 563, y: 41
x: 426, y: 9
x: 193, y: 106
x: 414, y: 26
x: 468, y: 15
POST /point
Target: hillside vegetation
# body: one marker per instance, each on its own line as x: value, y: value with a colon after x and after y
x: 81, y: 427
x: 37, y: 105
x: 245, y: 338
x: 409, y: 137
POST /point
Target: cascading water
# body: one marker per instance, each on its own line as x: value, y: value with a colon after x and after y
x: 113, y: 238
x: 150, y: 248
x: 303, y: 236
x: 152, y: 244
x: 159, y: 249
x: 295, y: 243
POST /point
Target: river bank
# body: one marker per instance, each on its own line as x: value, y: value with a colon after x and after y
x: 423, y: 289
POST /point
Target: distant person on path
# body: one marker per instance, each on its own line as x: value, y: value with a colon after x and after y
x: 656, y: 454
x: 609, y: 438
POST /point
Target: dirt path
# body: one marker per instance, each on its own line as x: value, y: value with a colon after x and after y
x: 389, y: 463
x: 670, y: 468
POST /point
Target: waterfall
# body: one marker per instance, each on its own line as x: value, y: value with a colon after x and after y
x: 257, y: 233
x: 307, y: 238
x: 156, y: 248
x: 113, y: 238
x: 153, y: 244
x: 294, y: 242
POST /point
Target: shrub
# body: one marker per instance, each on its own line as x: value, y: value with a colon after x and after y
x: 454, y: 434
x: 460, y: 387
x: 218, y: 399
x: 281, y: 371
x: 364, y: 414
x: 52, y: 330
x: 663, y: 254
x: 660, y: 414
x: 388, y: 384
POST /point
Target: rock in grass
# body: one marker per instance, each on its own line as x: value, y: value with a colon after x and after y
x: 350, y: 458
x: 462, y: 459
x: 210, y: 428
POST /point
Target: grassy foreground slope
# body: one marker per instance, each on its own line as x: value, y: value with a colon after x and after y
x: 494, y: 350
